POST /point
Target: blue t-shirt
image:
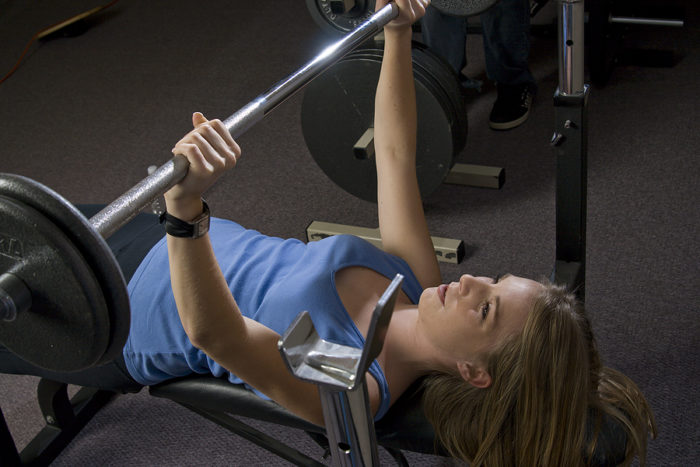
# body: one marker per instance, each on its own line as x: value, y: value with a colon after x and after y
x: 272, y: 280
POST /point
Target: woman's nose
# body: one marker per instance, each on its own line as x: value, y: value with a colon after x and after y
x: 469, y: 283
x: 466, y: 283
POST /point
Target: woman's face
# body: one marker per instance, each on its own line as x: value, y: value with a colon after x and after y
x: 468, y: 318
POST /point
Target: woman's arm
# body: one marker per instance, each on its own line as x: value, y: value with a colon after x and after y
x: 402, y: 223
x: 208, y: 312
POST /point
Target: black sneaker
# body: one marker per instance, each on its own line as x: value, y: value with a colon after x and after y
x: 512, y: 106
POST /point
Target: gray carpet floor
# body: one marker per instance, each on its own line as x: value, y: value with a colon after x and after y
x: 87, y: 115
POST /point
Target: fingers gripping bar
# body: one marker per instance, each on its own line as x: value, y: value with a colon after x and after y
x: 125, y: 207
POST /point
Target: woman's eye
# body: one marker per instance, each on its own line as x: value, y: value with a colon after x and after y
x: 485, y: 310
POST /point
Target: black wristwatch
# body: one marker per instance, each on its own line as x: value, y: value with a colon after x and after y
x: 179, y: 228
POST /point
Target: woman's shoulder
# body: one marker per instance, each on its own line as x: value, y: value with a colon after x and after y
x: 355, y: 251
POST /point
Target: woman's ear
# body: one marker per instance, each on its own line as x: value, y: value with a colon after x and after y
x: 476, y: 375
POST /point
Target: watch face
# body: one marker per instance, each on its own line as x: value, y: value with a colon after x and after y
x: 201, y: 225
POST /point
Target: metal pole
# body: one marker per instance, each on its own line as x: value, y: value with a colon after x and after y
x: 571, y: 32
x: 675, y: 23
x: 570, y: 141
x: 124, y: 208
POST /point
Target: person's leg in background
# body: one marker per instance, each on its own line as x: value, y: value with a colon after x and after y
x: 506, y: 33
x: 445, y: 35
x: 506, y: 37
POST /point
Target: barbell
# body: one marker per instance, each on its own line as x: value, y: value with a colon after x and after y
x: 340, y: 16
x: 64, y: 305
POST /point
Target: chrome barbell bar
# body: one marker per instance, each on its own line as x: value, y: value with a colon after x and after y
x: 128, y: 205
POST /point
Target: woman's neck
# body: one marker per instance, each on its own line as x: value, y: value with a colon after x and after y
x: 406, y: 354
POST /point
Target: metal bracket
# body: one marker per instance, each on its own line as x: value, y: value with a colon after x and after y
x: 447, y: 250
x: 480, y: 176
x: 339, y: 371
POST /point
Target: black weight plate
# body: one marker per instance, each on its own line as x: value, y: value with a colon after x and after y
x: 91, y: 245
x: 438, y: 76
x: 463, y: 7
x: 339, y: 24
x: 67, y: 326
x: 337, y: 109
x: 423, y: 75
x: 447, y: 78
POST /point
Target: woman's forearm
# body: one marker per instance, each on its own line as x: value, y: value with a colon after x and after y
x: 205, y: 304
x: 395, y: 107
x: 204, y: 301
x: 402, y: 223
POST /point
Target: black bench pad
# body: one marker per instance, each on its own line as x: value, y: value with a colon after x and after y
x: 403, y: 427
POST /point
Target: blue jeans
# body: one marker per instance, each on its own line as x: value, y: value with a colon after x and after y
x: 506, y: 34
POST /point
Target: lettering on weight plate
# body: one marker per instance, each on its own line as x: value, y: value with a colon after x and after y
x: 10, y: 246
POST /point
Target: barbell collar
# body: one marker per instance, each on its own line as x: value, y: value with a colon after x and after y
x: 15, y: 297
x: 128, y: 205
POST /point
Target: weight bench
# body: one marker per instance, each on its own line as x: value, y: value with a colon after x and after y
x: 403, y: 427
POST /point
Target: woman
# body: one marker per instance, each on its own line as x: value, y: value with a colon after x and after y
x: 512, y: 365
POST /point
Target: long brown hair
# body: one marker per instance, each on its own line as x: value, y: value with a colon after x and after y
x: 546, y: 383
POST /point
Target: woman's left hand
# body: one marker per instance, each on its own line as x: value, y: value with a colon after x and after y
x: 210, y: 151
x: 410, y: 11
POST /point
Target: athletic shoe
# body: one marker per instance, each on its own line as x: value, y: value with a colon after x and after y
x: 512, y: 106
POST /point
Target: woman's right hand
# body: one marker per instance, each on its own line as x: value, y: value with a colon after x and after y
x: 210, y: 151
x: 410, y: 11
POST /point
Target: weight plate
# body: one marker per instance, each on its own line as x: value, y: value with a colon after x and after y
x: 439, y: 77
x: 332, y: 21
x: 445, y: 76
x: 463, y: 7
x: 67, y: 326
x: 88, y: 242
x: 338, y: 108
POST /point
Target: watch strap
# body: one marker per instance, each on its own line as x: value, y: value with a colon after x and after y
x: 178, y: 228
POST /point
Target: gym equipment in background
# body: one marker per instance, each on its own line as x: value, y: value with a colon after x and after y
x: 337, y: 119
x: 609, y: 21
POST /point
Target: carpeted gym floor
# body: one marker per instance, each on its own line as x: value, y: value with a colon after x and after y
x: 87, y: 115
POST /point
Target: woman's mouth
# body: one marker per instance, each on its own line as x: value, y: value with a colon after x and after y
x: 441, y: 291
